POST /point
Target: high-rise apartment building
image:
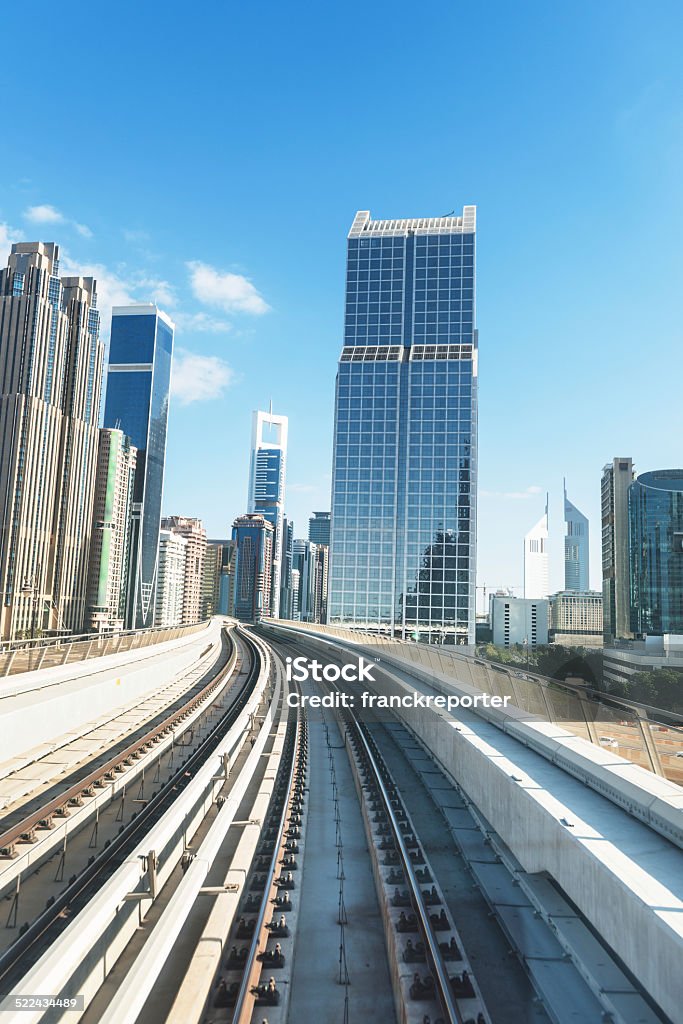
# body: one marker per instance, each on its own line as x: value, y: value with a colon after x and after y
x: 267, y: 478
x: 536, y: 575
x: 655, y: 508
x: 50, y: 383
x: 576, y: 617
x: 253, y: 536
x: 516, y: 620
x: 575, y: 547
x: 194, y: 533
x: 170, y: 588
x: 617, y: 477
x: 138, y: 390
x: 403, y: 548
x: 321, y: 582
x: 114, y: 482
x: 211, y: 578
x: 319, y: 528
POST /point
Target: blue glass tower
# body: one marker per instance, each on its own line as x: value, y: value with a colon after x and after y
x: 403, y: 545
x: 655, y: 513
x: 138, y: 388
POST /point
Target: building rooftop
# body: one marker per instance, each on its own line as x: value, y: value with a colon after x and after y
x: 363, y: 226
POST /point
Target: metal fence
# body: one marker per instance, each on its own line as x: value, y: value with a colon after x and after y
x: 45, y: 652
x: 646, y: 736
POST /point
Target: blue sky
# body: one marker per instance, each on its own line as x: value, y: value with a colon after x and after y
x: 213, y: 158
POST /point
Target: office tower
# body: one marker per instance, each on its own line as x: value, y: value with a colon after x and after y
x: 575, y: 547
x: 114, y: 482
x: 267, y: 476
x: 296, y: 583
x: 576, y: 617
x: 319, y: 528
x: 194, y: 533
x: 517, y: 620
x: 655, y: 510
x: 253, y: 536
x: 286, y: 569
x: 138, y: 388
x: 226, y: 600
x: 320, y: 583
x: 617, y: 477
x: 536, y: 558
x: 304, y: 561
x: 50, y: 383
x: 211, y: 578
x: 170, y: 588
x: 403, y: 551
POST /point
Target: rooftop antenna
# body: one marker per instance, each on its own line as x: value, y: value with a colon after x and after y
x: 270, y: 408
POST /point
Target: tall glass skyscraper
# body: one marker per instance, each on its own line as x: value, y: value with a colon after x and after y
x: 575, y: 547
x: 138, y: 388
x: 267, y: 477
x: 403, y: 546
x: 655, y: 511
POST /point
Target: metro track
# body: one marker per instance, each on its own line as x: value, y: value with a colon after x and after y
x: 41, y: 933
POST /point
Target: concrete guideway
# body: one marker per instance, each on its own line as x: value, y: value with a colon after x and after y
x: 625, y: 878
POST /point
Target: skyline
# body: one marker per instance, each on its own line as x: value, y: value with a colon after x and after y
x: 264, y: 251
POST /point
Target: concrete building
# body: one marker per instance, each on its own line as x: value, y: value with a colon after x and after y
x: 622, y: 660
x: 575, y: 547
x: 322, y: 566
x: 536, y: 574
x: 253, y: 536
x: 195, y: 534
x: 50, y: 383
x: 576, y: 618
x: 216, y: 565
x: 286, y: 592
x: 517, y: 620
x: 617, y: 477
x: 404, y: 479
x: 114, y: 482
x: 170, y: 589
x: 319, y: 528
x: 267, y: 481
x: 138, y: 394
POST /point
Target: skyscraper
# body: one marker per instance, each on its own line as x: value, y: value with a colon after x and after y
x: 267, y: 477
x: 286, y: 569
x: 403, y: 546
x: 194, y: 533
x: 617, y: 477
x: 536, y: 559
x: 138, y: 388
x: 114, y: 482
x: 319, y: 528
x: 171, y: 571
x: 50, y: 383
x: 304, y: 562
x: 575, y: 547
x: 253, y: 561
x: 655, y: 509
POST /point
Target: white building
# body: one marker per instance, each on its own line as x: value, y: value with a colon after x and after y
x: 170, y: 579
x: 267, y: 478
x: 576, y: 618
x: 517, y: 620
x: 536, y: 583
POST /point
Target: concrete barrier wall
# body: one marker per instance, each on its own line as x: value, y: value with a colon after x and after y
x: 44, y: 705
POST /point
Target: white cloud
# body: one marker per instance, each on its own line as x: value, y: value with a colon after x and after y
x: 233, y: 293
x: 202, y: 323
x: 8, y: 235
x: 160, y: 291
x: 199, y: 378
x: 135, y: 236
x: 512, y: 495
x: 112, y: 289
x: 44, y: 214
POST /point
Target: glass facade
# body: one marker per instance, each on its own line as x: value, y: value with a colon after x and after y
x: 575, y: 547
x: 138, y: 389
x: 404, y: 473
x: 655, y: 510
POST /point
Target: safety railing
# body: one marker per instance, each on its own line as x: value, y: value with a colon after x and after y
x: 45, y: 652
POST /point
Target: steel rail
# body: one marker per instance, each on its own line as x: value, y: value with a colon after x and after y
x: 444, y: 988
x: 63, y: 907
x: 246, y: 999
x: 29, y: 823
